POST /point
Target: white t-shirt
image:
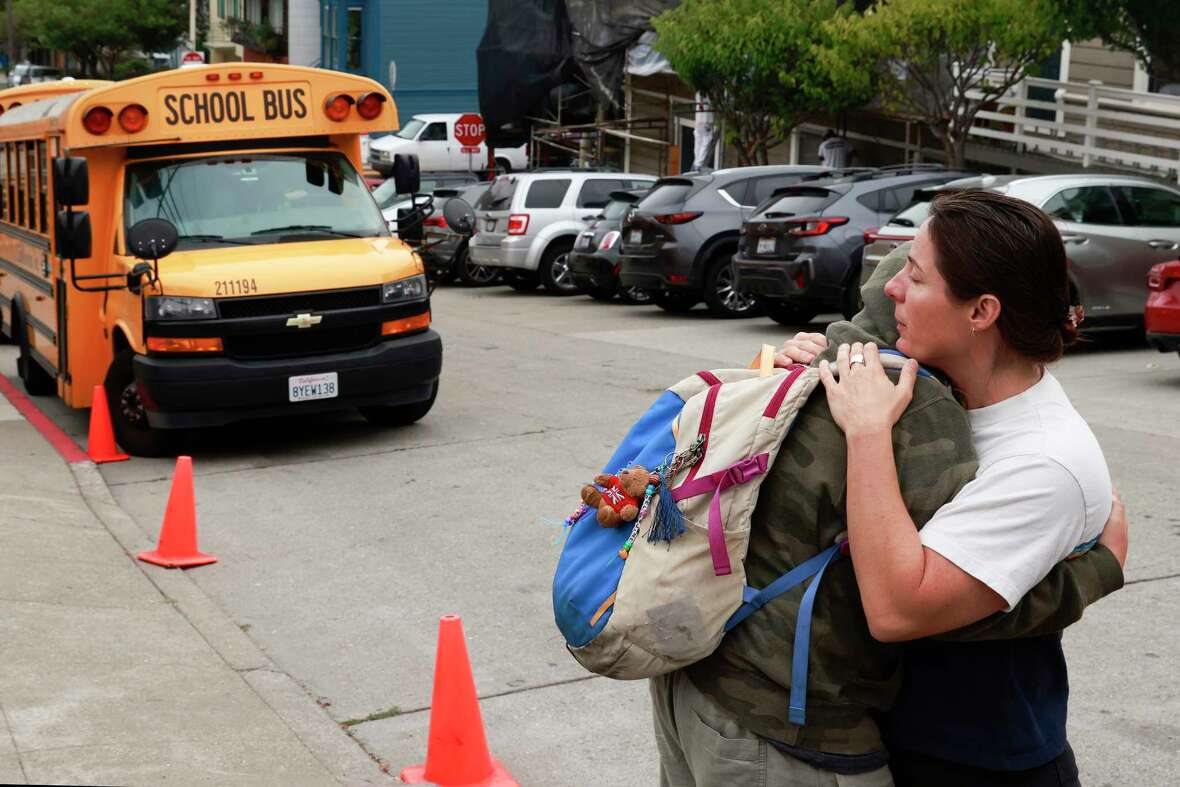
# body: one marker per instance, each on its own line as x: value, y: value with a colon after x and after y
x: 1042, y: 489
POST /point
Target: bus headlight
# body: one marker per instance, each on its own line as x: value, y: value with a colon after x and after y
x: 171, y: 307
x: 411, y: 289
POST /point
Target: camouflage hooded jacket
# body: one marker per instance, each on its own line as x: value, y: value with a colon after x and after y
x: 800, y: 512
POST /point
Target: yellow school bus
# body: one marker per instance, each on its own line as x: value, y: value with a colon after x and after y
x: 23, y: 94
x: 200, y: 243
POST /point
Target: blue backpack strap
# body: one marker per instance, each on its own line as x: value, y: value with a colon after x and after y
x: 890, y: 351
x: 754, y: 600
x: 798, y: 710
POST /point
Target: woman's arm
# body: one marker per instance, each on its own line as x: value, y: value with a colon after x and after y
x: 907, y: 591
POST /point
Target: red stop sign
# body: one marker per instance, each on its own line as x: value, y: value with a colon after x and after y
x: 469, y: 130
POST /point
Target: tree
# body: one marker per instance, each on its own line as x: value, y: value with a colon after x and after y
x: 944, y: 59
x: 763, y: 66
x: 1140, y: 26
x: 103, y: 31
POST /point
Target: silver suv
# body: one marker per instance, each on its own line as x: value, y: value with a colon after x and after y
x: 526, y: 224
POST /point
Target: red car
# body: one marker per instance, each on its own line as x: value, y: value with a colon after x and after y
x: 1162, y: 315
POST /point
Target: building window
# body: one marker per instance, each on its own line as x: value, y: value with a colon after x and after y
x: 354, y: 38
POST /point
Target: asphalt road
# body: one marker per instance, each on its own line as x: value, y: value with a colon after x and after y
x: 340, y: 544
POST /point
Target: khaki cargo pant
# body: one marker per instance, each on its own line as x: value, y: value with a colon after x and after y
x: 701, y: 745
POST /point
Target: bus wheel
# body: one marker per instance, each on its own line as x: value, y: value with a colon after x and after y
x: 132, y: 430
x: 38, y: 382
x: 399, y: 414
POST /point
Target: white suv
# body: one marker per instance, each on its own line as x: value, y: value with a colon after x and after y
x: 432, y: 139
x: 526, y: 224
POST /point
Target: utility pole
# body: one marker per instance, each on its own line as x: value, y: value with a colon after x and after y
x: 11, y: 42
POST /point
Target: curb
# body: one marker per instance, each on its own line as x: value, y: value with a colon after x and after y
x: 339, y: 752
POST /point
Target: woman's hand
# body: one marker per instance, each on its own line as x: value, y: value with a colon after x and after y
x: 801, y: 348
x: 865, y: 400
x: 1114, y: 534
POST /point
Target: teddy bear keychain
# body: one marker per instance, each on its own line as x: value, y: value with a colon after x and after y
x: 622, y: 494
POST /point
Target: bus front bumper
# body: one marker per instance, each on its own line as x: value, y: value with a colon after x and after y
x: 183, y: 393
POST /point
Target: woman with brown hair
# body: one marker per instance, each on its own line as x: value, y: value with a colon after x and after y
x: 983, y: 297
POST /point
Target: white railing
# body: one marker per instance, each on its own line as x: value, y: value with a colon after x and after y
x: 1091, y: 124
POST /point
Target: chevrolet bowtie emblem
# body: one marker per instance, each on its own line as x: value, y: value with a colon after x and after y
x: 304, y: 320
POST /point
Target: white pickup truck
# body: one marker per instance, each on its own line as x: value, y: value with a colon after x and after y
x: 432, y: 139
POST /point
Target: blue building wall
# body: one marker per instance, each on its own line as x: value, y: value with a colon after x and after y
x: 432, y: 42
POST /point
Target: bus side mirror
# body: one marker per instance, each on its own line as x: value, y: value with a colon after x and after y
x: 406, y: 176
x: 72, y: 234
x: 151, y: 239
x: 71, y: 182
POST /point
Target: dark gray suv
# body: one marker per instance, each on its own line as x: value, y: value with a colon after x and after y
x: 800, y: 251
x: 679, y: 241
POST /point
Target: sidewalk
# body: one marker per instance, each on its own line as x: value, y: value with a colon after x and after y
x: 116, y: 672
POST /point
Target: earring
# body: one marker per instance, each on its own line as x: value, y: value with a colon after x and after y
x: 973, y: 332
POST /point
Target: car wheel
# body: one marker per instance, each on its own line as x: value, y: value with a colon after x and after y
x: 503, y: 166
x: 634, y: 295
x: 555, y: 271
x: 399, y: 414
x: 133, y: 433
x: 676, y: 302
x: 522, y: 281
x: 787, y: 313
x: 721, y: 296
x: 37, y: 381
x: 602, y: 287
x: 469, y: 274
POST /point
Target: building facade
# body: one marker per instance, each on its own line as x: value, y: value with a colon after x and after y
x: 277, y: 31
x: 425, y: 48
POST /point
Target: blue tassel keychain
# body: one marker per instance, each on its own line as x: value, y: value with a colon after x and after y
x: 668, y: 523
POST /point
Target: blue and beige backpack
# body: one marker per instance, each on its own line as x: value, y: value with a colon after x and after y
x: 650, y: 597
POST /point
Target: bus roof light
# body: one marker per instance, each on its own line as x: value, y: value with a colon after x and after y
x: 256, y: 75
x: 133, y: 118
x: 369, y: 105
x: 338, y: 106
x: 234, y: 76
x: 97, y: 120
x: 213, y: 77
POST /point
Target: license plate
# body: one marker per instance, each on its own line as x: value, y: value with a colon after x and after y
x: 636, y: 236
x: 766, y: 245
x: 490, y: 225
x: 307, y: 387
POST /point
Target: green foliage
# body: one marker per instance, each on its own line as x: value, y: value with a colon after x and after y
x: 134, y: 67
x: 937, y: 51
x: 764, y: 66
x: 101, y: 31
x: 1145, y: 27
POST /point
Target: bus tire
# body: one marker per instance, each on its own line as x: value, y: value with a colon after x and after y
x: 37, y: 381
x: 399, y: 414
x: 132, y: 430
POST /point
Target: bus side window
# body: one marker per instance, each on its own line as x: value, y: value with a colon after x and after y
x: 43, y: 180
x: 10, y: 163
x: 4, y: 201
x: 19, y: 151
x: 32, y: 185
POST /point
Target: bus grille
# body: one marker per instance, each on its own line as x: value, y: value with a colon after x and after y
x: 295, y: 303
x: 315, y: 341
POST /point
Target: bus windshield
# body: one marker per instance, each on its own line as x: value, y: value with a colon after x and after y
x: 268, y: 198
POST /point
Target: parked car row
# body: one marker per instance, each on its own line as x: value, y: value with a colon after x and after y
x: 792, y: 241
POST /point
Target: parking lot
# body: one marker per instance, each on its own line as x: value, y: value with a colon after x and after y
x: 341, y: 544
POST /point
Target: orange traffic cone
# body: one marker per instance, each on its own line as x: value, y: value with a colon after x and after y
x: 178, y: 534
x: 100, y: 445
x: 457, y: 751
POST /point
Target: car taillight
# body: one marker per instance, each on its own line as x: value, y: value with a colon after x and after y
x: 806, y: 228
x: 337, y: 107
x: 435, y: 221
x: 1155, y: 278
x: 800, y: 279
x: 369, y: 105
x: 97, y: 120
x: 871, y: 235
x: 608, y: 240
x: 518, y: 224
x: 679, y: 218
x: 133, y: 118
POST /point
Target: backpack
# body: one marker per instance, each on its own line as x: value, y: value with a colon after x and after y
x: 641, y: 600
